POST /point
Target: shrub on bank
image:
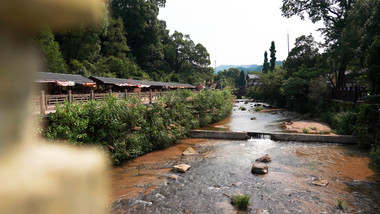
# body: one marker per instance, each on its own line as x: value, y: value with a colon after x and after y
x: 375, y: 157
x: 127, y: 128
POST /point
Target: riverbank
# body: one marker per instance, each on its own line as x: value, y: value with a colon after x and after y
x: 127, y: 128
x: 223, y: 167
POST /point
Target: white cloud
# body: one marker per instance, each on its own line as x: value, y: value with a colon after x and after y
x: 236, y: 31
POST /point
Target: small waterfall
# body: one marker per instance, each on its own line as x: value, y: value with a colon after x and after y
x: 253, y: 135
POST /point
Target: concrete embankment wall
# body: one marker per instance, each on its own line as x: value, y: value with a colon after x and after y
x: 219, y: 135
x: 343, y: 139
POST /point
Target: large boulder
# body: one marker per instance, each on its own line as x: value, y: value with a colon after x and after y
x: 189, y: 151
x: 266, y: 158
x: 259, y: 169
x: 182, y: 168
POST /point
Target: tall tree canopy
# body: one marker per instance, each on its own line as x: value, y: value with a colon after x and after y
x: 305, y: 52
x: 272, y: 56
x: 266, y: 63
x: 132, y: 43
x: 50, y: 49
x: 334, y: 14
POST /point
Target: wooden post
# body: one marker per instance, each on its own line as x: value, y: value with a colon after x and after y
x: 150, y: 96
x: 43, y: 103
x: 126, y: 93
x: 70, y: 96
x: 92, y: 97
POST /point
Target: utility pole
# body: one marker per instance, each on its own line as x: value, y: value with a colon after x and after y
x: 288, y: 43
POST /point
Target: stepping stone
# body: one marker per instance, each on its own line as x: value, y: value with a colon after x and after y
x: 182, y: 168
x: 189, y: 151
x: 259, y: 169
x: 266, y: 158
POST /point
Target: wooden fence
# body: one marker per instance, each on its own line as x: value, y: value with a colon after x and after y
x: 46, y: 103
x: 348, y: 94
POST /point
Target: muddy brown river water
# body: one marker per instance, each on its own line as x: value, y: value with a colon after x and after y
x: 223, y: 167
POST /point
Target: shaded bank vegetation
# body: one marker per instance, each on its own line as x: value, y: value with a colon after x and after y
x: 347, y: 60
x: 127, y: 128
x: 131, y: 43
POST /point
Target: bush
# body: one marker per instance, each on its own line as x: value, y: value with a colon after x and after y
x: 241, y: 201
x: 305, y: 131
x: 258, y: 109
x: 127, y: 128
x: 375, y: 157
x: 344, y: 122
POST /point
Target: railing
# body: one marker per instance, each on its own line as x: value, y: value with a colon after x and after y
x: 348, y: 94
x: 43, y: 103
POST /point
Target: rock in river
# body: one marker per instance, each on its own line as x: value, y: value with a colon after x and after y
x: 189, y: 151
x: 181, y: 168
x: 266, y: 158
x: 173, y: 177
x: 320, y: 182
x: 259, y: 169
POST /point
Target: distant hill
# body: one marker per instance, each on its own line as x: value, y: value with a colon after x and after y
x: 245, y: 68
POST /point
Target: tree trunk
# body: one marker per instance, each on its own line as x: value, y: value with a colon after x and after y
x: 341, y: 73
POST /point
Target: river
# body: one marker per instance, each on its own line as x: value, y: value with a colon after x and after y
x: 223, y: 168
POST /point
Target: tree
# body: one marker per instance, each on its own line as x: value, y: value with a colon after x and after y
x: 334, y: 14
x: 52, y: 56
x: 305, y: 52
x: 272, y: 56
x: 144, y: 31
x: 266, y: 64
x: 241, y: 81
x: 114, y: 41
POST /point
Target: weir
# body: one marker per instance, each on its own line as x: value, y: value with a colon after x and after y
x: 229, y: 135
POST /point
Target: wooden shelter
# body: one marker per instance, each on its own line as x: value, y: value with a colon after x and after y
x: 57, y: 83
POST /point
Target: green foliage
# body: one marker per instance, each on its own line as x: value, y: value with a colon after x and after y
x: 243, y: 108
x: 258, y: 109
x: 344, y: 122
x: 375, y: 157
x: 231, y: 78
x: 305, y: 131
x: 241, y: 201
x: 272, y: 56
x: 52, y: 56
x: 270, y: 88
x: 131, y: 43
x: 127, y: 128
x: 266, y: 63
x: 340, y: 204
x: 241, y: 81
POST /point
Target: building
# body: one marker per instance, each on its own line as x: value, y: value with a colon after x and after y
x: 104, y: 84
x: 57, y: 83
x: 252, y: 80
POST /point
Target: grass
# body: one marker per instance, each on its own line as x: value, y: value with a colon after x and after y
x: 258, y: 109
x: 305, y: 131
x: 340, y: 204
x: 241, y: 201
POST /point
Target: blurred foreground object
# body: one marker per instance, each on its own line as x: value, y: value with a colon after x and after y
x: 38, y: 177
x: 32, y: 15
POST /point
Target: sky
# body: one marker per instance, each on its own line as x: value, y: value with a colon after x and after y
x: 236, y: 32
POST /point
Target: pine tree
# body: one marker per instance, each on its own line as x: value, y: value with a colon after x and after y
x: 266, y: 64
x: 272, y: 56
